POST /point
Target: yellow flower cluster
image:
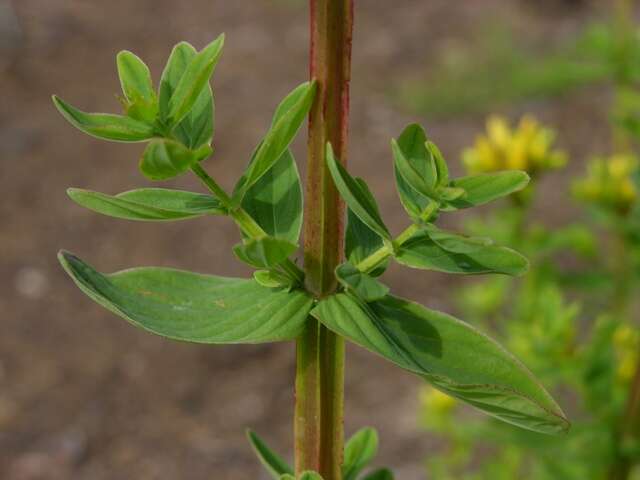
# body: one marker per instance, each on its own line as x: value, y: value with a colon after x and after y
x: 626, y: 342
x: 528, y: 147
x: 435, y: 402
x: 609, y: 182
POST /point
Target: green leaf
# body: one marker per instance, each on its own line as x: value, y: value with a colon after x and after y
x: 359, y: 450
x: 272, y: 279
x: 421, y: 251
x: 265, y: 252
x: 194, y: 307
x: 309, y: 476
x: 412, y: 176
x: 441, y: 167
x: 135, y: 79
x: 486, y: 187
x: 164, y: 159
x: 194, y: 80
x: 450, y: 354
x: 196, y: 129
x: 274, y: 464
x: 275, y: 201
x: 288, y: 118
x: 452, y: 242
x: 148, y: 204
x: 361, y: 241
x: 381, y: 474
x: 106, y: 126
x: 357, y: 196
x: 364, y: 286
x: 286, y: 476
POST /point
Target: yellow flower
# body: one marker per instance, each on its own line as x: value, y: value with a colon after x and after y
x: 609, y: 182
x: 528, y: 147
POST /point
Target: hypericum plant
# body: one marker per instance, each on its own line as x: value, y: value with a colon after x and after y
x: 331, y: 299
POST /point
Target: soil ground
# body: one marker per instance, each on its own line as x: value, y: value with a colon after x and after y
x: 85, y: 396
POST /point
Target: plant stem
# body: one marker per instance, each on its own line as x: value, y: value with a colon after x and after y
x: 319, y: 438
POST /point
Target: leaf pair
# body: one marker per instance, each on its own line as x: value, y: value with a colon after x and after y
x: 178, y: 121
x: 359, y: 451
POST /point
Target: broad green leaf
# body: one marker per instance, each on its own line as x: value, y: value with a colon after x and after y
x: 163, y: 159
x: 361, y: 241
x: 486, y: 187
x: 356, y: 195
x: 196, y: 129
x: 414, y: 146
x: 106, y: 126
x: 452, y: 242
x: 274, y: 464
x: 359, y: 450
x: 275, y: 201
x: 194, y: 307
x: 194, y: 80
x: 381, y: 474
x: 135, y: 79
x: 272, y: 279
x: 364, y: 286
x: 288, y: 118
x: 450, y: 354
x: 148, y: 204
x: 265, y: 252
x: 420, y: 251
x: 412, y: 176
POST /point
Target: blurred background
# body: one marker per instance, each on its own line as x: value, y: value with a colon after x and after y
x: 83, y: 395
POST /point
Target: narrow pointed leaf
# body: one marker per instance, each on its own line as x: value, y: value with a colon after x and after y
x: 359, y: 451
x: 412, y: 176
x: 196, y: 129
x: 360, y: 242
x: 420, y: 251
x: 265, y: 252
x: 413, y: 145
x: 450, y: 354
x: 194, y: 307
x: 440, y: 164
x: 452, y: 242
x: 486, y: 187
x: 364, y: 286
x: 135, y: 79
x: 274, y: 464
x: 194, y: 80
x: 357, y: 196
x: 275, y: 201
x: 381, y: 474
x: 148, y: 204
x: 288, y: 118
x: 106, y: 126
x: 164, y: 159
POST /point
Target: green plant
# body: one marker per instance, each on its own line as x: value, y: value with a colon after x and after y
x: 331, y: 299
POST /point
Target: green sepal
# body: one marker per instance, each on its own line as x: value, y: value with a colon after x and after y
x: 140, y: 98
x: 148, y: 204
x: 196, y: 129
x: 364, y: 286
x: 356, y: 195
x: 275, y: 200
x: 272, y: 462
x: 359, y: 451
x: 421, y: 251
x: 287, y: 120
x: 450, y: 354
x: 193, y: 81
x: 265, y: 252
x: 106, y: 126
x: 194, y: 307
x: 486, y: 187
x: 164, y: 159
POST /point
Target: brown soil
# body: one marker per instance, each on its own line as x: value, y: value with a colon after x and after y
x: 85, y: 396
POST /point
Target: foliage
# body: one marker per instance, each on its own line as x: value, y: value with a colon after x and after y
x: 176, y: 122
